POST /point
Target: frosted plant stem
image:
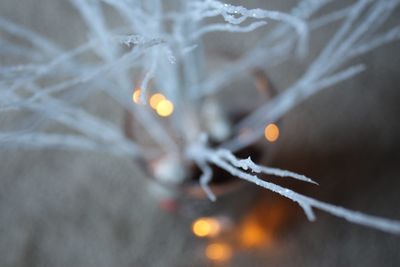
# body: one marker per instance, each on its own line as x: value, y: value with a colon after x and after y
x: 149, y: 74
x: 123, y: 62
x: 205, y: 179
x: 41, y: 70
x: 40, y: 140
x: 38, y: 41
x: 227, y: 28
x: 104, y: 132
x: 8, y: 48
x: 45, y: 140
x: 389, y: 36
x: 264, y: 54
x: 248, y: 164
x: 307, y: 203
x: 257, y: 13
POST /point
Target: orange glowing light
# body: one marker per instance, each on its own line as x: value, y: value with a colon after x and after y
x: 218, y: 252
x: 203, y: 227
x: 271, y: 132
x: 136, y: 96
x: 254, y: 235
x: 155, y: 100
x: 165, y: 108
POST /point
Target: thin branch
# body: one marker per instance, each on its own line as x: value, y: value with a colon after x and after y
x: 307, y: 203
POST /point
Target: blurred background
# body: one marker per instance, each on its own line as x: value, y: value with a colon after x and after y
x: 63, y: 208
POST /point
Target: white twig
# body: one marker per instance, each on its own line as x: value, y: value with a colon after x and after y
x: 248, y: 164
x: 227, y: 28
x: 307, y: 203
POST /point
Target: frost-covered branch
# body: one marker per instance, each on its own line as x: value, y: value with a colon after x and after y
x: 43, y: 44
x: 230, y: 13
x: 271, y: 50
x: 249, y: 165
x: 240, y: 168
x: 45, y: 140
x: 227, y: 28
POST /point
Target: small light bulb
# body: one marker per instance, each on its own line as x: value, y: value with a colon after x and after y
x: 155, y: 100
x: 136, y: 96
x: 271, y: 132
x: 206, y: 226
x: 165, y: 108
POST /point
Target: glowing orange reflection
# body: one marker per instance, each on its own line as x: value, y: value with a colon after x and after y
x: 218, y: 252
x: 165, y: 108
x: 271, y: 132
x: 156, y: 99
x: 253, y: 234
x: 136, y: 96
x: 203, y: 227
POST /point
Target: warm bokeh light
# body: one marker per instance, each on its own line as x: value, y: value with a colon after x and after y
x: 252, y: 234
x: 271, y: 132
x: 156, y: 99
x: 165, y: 108
x: 136, y: 96
x: 203, y: 227
x: 218, y: 252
